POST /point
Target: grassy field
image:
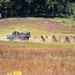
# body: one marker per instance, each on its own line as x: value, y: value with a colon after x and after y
x: 36, y: 58
x: 36, y: 26
x: 9, y: 29
x: 37, y: 44
x: 5, y: 30
x: 36, y: 61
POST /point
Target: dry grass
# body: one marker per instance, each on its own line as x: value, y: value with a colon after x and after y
x: 39, y: 67
x: 37, y: 61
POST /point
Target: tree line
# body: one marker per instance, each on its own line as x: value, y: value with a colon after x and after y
x: 23, y: 8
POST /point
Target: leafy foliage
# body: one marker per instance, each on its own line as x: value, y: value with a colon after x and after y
x: 22, y: 8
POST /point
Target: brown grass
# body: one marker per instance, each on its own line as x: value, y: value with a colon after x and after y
x: 37, y: 61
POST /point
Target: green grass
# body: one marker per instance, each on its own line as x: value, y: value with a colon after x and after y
x: 61, y: 19
x: 36, y: 44
x: 9, y: 29
x: 73, y: 7
x: 67, y: 21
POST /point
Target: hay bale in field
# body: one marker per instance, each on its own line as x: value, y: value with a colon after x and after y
x: 51, y: 39
x: 42, y: 37
x: 64, y: 39
x: 71, y: 39
x: 38, y: 39
x: 57, y: 38
x: 45, y: 37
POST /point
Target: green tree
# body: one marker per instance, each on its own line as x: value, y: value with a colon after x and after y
x: 22, y: 8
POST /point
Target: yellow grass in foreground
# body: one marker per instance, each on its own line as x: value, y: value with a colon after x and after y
x: 36, y: 61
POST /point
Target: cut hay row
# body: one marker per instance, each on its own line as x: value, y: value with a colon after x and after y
x: 53, y: 38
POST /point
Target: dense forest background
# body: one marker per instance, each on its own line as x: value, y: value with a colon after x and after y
x: 46, y: 8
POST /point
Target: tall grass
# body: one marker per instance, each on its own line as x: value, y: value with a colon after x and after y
x: 39, y: 66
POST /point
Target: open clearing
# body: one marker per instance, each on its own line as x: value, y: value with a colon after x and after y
x: 36, y: 58
x: 37, y: 26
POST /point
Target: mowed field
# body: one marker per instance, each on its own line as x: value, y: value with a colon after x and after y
x: 37, y: 26
x: 36, y: 58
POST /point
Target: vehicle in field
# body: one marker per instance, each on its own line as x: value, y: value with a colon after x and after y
x: 19, y: 36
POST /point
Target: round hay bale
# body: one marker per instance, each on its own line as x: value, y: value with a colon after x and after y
x: 64, y: 39
x: 38, y: 39
x: 71, y: 39
x: 51, y: 39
